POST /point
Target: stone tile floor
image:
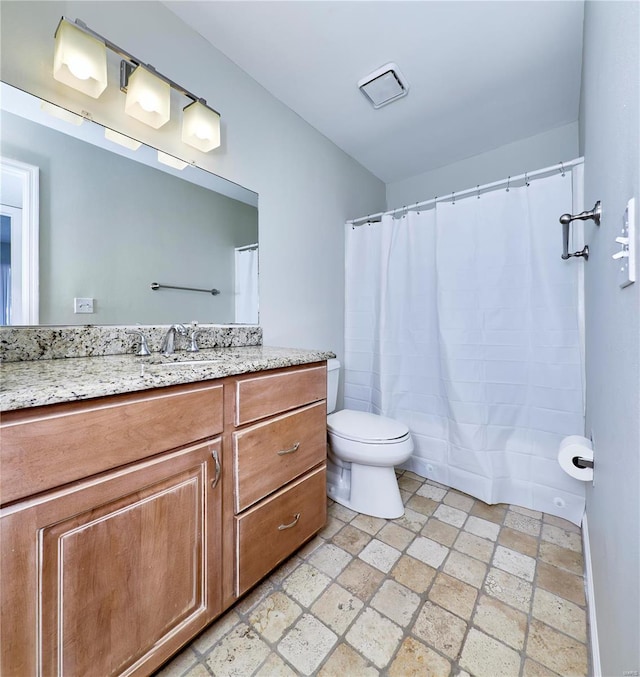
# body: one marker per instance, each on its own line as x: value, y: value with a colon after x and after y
x: 455, y: 587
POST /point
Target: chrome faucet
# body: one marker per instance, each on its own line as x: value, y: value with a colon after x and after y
x: 143, y: 348
x: 168, y: 343
x: 193, y: 348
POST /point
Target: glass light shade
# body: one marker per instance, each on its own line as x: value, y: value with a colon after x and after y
x: 61, y: 113
x: 79, y: 60
x: 171, y: 161
x: 122, y: 139
x: 201, y: 127
x: 148, y: 98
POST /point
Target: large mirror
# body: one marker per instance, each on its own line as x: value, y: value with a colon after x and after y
x: 110, y: 221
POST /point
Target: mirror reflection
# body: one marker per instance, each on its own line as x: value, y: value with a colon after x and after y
x: 110, y: 222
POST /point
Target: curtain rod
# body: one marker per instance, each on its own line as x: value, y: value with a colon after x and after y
x: 560, y: 167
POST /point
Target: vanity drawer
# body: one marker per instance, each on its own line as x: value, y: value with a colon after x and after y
x: 50, y: 446
x: 273, y: 529
x: 270, y: 454
x: 268, y: 394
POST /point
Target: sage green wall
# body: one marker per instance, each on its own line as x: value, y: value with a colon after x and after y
x: 610, y: 124
x: 534, y: 152
x: 109, y: 226
x: 307, y: 186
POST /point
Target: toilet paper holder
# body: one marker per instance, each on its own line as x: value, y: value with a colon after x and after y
x: 580, y: 462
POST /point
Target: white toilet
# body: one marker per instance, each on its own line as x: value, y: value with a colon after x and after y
x: 362, y: 452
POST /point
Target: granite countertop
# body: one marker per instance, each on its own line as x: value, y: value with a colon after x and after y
x: 40, y: 382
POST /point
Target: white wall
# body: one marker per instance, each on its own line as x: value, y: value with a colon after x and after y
x: 535, y: 152
x: 610, y: 124
x: 307, y: 186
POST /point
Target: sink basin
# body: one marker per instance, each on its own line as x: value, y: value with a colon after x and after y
x: 188, y: 363
x: 183, y: 357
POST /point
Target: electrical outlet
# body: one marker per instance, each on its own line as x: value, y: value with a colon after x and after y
x: 82, y: 305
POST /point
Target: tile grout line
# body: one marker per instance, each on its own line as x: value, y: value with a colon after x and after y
x: 531, y: 602
x: 475, y: 606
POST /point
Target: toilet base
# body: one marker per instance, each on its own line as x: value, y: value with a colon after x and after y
x: 370, y: 490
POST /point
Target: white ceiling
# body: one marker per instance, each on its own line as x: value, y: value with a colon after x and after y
x: 481, y: 74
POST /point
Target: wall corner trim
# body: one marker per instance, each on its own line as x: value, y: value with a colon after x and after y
x: 596, y: 669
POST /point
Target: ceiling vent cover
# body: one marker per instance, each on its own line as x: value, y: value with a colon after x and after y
x: 384, y: 85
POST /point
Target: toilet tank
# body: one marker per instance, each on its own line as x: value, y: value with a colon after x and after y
x: 333, y: 376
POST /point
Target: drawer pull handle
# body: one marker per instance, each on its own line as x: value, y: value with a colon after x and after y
x: 216, y: 460
x: 296, y: 517
x: 284, y: 452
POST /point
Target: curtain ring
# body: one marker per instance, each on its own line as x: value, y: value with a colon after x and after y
x: 453, y: 197
x: 562, y: 168
x: 417, y: 208
x: 478, y: 191
x: 404, y: 211
x: 508, y: 183
x: 526, y: 180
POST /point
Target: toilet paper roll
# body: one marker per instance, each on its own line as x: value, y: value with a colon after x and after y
x: 574, y: 447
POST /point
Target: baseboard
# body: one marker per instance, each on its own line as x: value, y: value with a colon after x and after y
x: 591, y: 600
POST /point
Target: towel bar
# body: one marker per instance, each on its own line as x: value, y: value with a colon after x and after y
x: 157, y: 285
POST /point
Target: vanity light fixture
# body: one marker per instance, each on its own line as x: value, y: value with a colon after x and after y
x: 201, y: 126
x: 148, y: 98
x: 80, y: 59
x: 171, y: 161
x: 61, y: 113
x: 148, y: 92
x: 121, y: 139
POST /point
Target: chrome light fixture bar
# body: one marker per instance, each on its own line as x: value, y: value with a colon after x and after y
x: 80, y: 62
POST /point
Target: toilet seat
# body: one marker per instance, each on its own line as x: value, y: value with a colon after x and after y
x: 367, y: 428
x: 368, y: 439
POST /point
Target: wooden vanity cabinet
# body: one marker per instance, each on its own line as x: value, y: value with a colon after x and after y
x: 279, y: 467
x: 111, y: 574
x: 128, y: 523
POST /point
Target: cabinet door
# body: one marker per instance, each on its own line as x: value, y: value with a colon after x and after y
x: 112, y: 575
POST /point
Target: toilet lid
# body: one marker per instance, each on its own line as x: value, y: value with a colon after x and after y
x: 362, y: 426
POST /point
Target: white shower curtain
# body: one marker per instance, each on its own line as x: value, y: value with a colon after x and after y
x: 246, y: 285
x: 463, y: 322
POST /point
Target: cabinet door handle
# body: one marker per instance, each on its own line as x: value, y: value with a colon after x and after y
x: 216, y: 460
x: 296, y: 517
x: 284, y: 452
